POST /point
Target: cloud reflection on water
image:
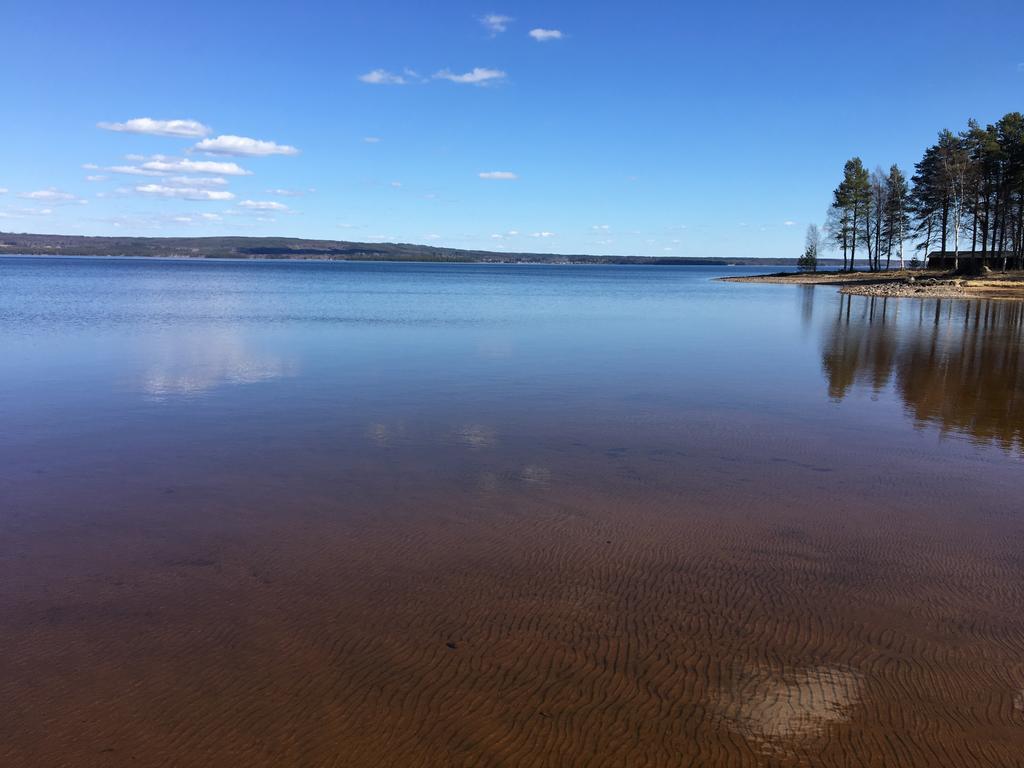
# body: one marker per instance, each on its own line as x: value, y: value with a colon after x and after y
x: 183, y: 366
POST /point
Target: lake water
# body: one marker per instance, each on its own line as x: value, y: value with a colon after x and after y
x: 272, y: 513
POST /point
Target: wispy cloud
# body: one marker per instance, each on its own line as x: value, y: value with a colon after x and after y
x: 133, y: 170
x: 371, y: 139
x: 476, y: 76
x: 96, y: 177
x: 286, y: 192
x: 262, y: 205
x: 495, y: 23
x: 789, y: 223
x: 498, y: 175
x: 52, y: 195
x: 159, y: 165
x: 383, y: 77
x: 183, y: 193
x: 4, y: 190
x: 242, y: 146
x: 19, y: 213
x: 190, y: 129
x: 198, y: 181
x: 544, y: 35
x: 542, y: 234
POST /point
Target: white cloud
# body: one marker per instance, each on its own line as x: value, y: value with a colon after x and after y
x: 198, y: 218
x: 542, y: 234
x: 498, y: 175
x: 190, y: 129
x: 197, y: 181
x: 372, y: 139
x: 512, y: 232
x: 133, y: 170
x: 286, y: 192
x: 184, y: 193
x: 382, y: 77
x: 432, y: 236
x: 90, y: 167
x: 159, y: 165
x: 262, y: 205
x: 602, y: 227
x: 18, y: 213
x: 543, y: 35
x: 396, y: 184
x: 476, y: 76
x: 51, y: 195
x: 4, y: 190
x: 242, y: 146
x: 789, y: 223
x: 495, y: 23
x: 96, y: 177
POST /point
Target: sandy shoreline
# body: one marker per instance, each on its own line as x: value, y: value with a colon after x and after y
x: 916, y: 284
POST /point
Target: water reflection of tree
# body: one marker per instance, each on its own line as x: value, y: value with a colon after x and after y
x: 957, y: 364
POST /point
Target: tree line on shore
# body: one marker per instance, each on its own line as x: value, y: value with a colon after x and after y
x: 967, y: 187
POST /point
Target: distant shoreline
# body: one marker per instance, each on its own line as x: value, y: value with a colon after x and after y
x: 296, y: 249
x: 641, y: 262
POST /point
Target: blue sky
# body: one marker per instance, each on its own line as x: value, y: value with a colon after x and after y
x: 629, y: 128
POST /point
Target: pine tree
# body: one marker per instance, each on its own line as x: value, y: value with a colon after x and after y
x: 1010, y: 196
x: 896, y: 216
x: 851, y: 200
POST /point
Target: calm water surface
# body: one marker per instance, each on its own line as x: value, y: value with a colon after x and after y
x: 373, y: 514
x: 103, y: 358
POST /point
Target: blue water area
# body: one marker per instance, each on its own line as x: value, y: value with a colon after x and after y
x: 135, y: 365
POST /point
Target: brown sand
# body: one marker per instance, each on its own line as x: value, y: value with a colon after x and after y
x: 719, y: 610
x: 918, y: 284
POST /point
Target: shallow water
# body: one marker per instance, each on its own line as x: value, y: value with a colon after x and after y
x: 373, y: 514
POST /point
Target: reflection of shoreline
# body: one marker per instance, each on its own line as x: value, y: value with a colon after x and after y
x: 955, y: 364
x: 206, y: 361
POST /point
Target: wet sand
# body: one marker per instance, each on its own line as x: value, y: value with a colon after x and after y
x: 916, y: 284
x: 721, y: 608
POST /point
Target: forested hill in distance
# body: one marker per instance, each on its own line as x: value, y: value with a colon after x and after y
x: 295, y: 248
